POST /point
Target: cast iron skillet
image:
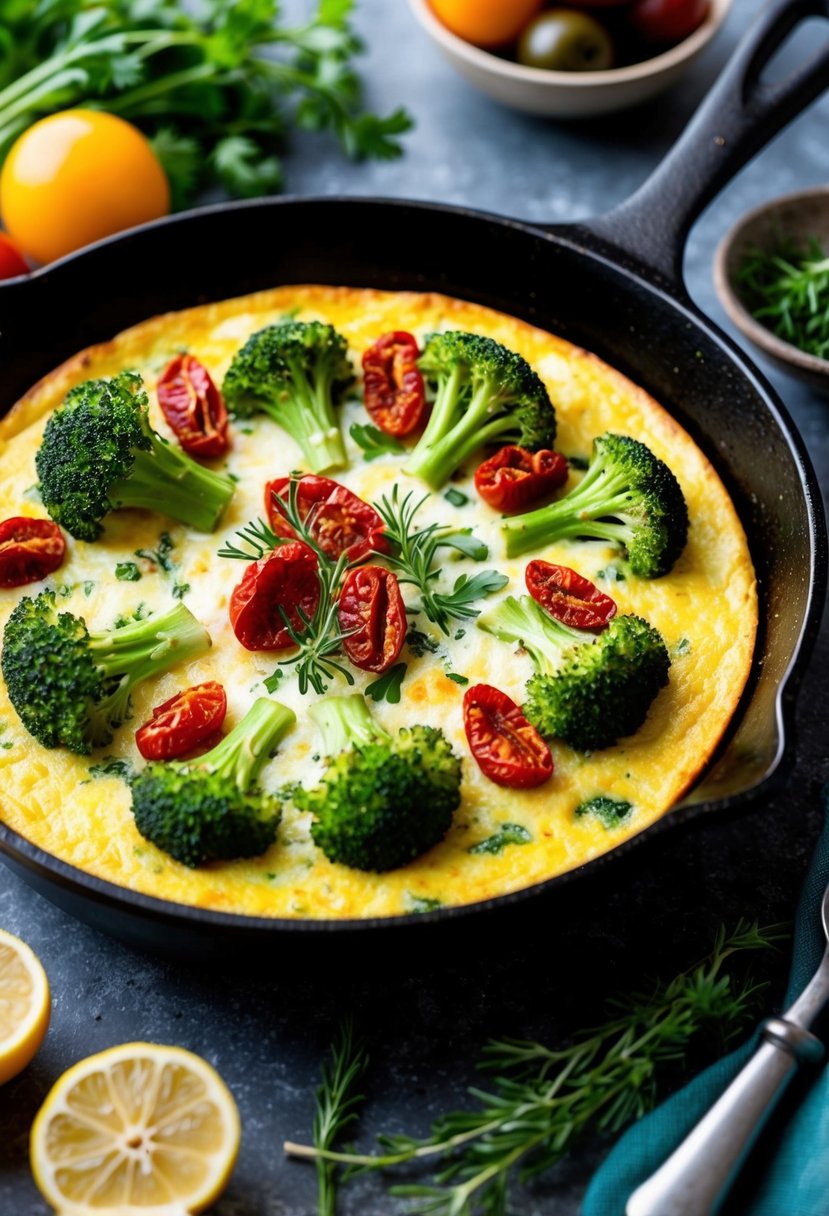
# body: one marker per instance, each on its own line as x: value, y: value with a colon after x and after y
x: 613, y: 286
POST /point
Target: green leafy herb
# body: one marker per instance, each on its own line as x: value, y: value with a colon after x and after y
x: 467, y: 544
x: 337, y: 1104
x: 216, y: 89
x: 611, y: 811
x: 418, y: 904
x: 139, y: 613
x: 456, y: 497
x: 258, y: 538
x: 508, y: 833
x: 111, y: 766
x: 127, y: 572
x: 374, y: 442
x: 611, y: 574
x: 180, y: 590
x: 542, y: 1099
x: 387, y: 687
x: 580, y: 463
x: 319, y: 641
x: 683, y: 646
x: 787, y: 289
x: 420, y: 643
x: 414, y: 558
x: 161, y: 556
x: 456, y: 679
x: 88, y: 586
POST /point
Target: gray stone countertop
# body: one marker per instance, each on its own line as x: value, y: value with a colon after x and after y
x: 266, y: 1026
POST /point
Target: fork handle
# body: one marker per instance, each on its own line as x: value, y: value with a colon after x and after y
x: 696, y: 1177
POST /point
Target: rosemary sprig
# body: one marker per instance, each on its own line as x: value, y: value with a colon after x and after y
x: 337, y: 1104
x: 413, y: 557
x: 788, y: 290
x: 542, y: 1099
x: 319, y: 641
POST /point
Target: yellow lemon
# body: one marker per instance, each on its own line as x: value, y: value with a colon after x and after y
x: 24, y: 1005
x: 138, y: 1130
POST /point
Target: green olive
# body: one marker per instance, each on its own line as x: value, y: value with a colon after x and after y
x: 565, y: 40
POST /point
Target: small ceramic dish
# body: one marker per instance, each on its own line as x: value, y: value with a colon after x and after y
x: 568, y: 94
x: 799, y: 216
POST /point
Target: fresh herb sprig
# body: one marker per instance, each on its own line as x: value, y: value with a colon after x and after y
x: 337, y: 1102
x: 216, y: 89
x: 319, y: 641
x: 374, y: 442
x: 788, y: 290
x: 258, y: 539
x: 414, y: 558
x: 543, y: 1099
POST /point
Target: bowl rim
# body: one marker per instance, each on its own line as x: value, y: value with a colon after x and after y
x: 754, y: 330
x: 507, y: 69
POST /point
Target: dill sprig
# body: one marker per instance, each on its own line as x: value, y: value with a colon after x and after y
x: 414, y: 555
x: 337, y: 1103
x: 787, y: 289
x: 542, y: 1099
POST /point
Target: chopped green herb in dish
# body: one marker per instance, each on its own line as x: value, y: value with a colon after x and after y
x: 787, y: 289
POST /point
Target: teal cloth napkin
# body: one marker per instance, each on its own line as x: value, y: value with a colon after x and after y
x: 796, y: 1182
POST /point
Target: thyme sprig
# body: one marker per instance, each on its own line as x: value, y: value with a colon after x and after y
x: 788, y: 290
x: 414, y: 556
x: 542, y: 1099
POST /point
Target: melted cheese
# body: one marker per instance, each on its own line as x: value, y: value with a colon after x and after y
x: 706, y: 610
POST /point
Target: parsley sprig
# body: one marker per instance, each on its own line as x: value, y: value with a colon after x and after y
x: 414, y: 558
x: 542, y: 1099
x: 217, y: 90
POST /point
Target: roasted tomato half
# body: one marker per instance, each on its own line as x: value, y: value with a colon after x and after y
x: 29, y: 550
x: 372, y: 615
x: 274, y: 593
x: 514, y: 478
x: 183, y: 723
x: 337, y: 519
x: 194, y: 407
x: 568, y: 596
x: 508, y: 748
x: 395, y: 396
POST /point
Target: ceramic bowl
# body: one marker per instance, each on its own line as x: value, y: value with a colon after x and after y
x: 800, y: 215
x: 568, y: 94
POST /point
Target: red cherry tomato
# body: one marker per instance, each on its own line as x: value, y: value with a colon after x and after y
x: 372, y: 613
x: 667, y: 20
x: 508, y: 748
x: 29, y: 550
x: 194, y: 407
x: 514, y: 478
x: 183, y: 723
x: 284, y: 581
x: 394, y: 393
x: 338, y: 520
x: 12, y: 262
x: 568, y: 596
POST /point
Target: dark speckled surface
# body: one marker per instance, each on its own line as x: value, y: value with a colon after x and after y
x: 540, y: 974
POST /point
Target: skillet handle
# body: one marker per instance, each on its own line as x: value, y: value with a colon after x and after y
x: 737, y: 118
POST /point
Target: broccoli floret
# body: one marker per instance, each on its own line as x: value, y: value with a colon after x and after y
x: 211, y: 809
x: 72, y: 688
x: 383, y: 800
x: 627, y: 496
x: 587, y: 690
x: 484, y: 394
x: 99, y: 453
x: 296, y: 372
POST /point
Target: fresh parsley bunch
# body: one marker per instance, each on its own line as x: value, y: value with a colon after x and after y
x: 216, y: 88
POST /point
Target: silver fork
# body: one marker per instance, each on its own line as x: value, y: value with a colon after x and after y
x: 697, y: 1176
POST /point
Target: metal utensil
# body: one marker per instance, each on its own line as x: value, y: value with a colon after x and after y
x: 696, y: 1178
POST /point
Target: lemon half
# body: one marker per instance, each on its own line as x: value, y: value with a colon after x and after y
x: 24, y: 1005
x: 138, y: 1130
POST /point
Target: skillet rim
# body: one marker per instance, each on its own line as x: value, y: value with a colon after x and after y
x: 582, y: 240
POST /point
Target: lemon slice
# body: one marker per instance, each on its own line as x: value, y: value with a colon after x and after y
x: 139, y: 1130
x: 24, y: 1005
